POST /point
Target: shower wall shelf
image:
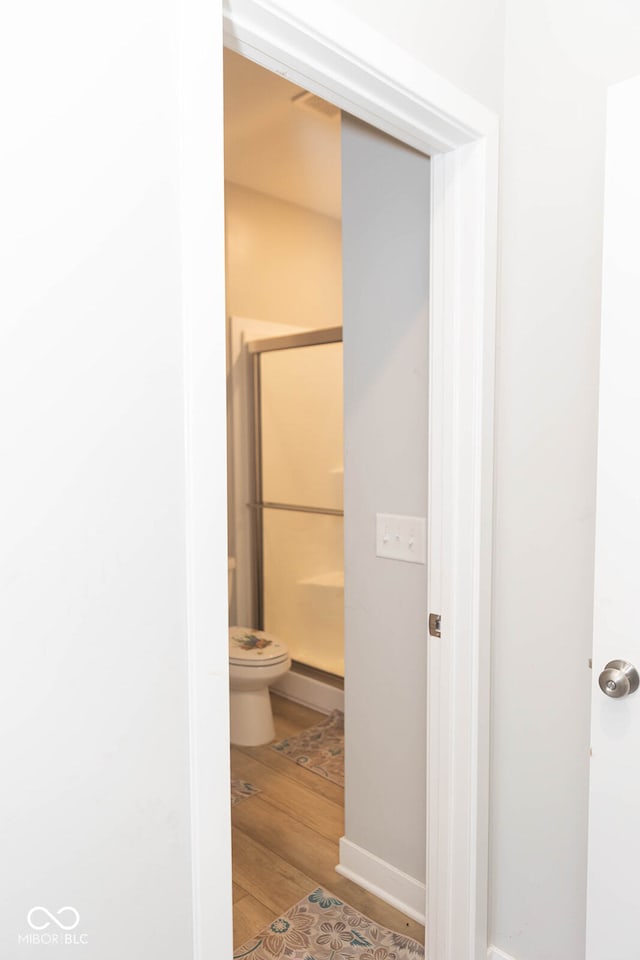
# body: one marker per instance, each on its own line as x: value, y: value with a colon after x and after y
x: 337, y: 483
x: 333, y: 579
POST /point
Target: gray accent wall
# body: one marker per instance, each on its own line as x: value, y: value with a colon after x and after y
x: 385, y: 240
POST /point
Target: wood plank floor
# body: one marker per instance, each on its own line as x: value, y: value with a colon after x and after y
x: 285, y: 839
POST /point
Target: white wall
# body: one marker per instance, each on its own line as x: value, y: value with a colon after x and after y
x: 462, y: 40
x: 283, y: 261
x: 560, y: 56
x: 93, y: 705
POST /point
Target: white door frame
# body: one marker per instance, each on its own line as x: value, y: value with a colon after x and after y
x: 328, y: 51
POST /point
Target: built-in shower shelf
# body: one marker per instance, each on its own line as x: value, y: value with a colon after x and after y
x: 336, y: 475
x: 332, y: 579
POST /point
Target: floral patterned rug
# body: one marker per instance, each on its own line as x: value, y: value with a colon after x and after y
x: 321, y: 927
x: 320, y: 748
x: 240, y: 790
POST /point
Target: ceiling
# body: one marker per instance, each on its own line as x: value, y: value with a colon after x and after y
x: 272, y: 145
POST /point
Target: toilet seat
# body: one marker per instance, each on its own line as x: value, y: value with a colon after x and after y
x: 255, y: 648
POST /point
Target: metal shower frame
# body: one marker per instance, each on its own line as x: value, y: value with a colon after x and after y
x: 307, y: 338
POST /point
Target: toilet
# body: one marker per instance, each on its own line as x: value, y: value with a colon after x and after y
x: 256, y: 660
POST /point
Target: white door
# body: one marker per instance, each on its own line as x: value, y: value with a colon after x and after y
x: 613, y: 906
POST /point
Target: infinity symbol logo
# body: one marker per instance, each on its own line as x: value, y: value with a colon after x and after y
x: 53, y: 919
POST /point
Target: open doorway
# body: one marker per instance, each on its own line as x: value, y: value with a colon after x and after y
x: 371, y: 78
x: 294, y: 826
x: 285, y: 477
x: 284, y: 306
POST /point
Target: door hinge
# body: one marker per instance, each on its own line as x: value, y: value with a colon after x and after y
x: 435, y: 624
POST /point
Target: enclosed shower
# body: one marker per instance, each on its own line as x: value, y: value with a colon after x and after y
x: 297, y: 429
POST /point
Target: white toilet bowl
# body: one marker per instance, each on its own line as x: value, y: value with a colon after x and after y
x: 256, y: 660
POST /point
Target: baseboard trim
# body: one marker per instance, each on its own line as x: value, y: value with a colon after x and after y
x: 309, y: 692
x: 494, y: 954
x: 383, y: 880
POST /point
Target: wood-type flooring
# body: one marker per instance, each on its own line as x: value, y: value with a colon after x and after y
x: 285, y: 839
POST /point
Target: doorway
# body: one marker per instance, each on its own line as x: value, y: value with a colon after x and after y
x: 283, y: 280
x: 283, y: 270
x: 385, y: 207
x: 367, y: 75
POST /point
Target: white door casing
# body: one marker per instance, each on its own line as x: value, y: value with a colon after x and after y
x: 331, y: 53
x: 614, y: 800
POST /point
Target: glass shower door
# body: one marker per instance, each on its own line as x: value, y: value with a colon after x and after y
x: 300, y: 479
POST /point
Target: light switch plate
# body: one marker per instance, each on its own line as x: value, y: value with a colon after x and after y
x: 401, y: 538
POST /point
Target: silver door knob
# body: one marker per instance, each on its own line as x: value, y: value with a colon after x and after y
x: 619, y: 679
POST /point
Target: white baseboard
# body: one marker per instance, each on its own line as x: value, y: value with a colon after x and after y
x: 494, y: 954
x: 309, y: 692
x: 382, y: 879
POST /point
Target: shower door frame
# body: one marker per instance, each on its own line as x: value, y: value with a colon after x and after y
x: 256, y: 348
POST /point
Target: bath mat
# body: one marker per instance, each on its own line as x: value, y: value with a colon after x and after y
x: 240, y: 790
x: 322, y: 927
x: 320, y: 748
